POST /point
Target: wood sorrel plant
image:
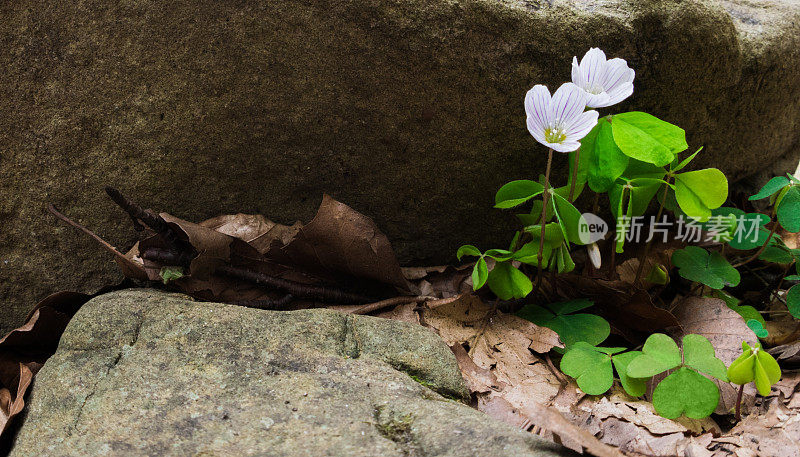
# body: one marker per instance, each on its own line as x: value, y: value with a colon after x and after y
x: 631, y: 158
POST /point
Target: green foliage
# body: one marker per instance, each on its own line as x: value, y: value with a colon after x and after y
x: 635, y: 387
x: 755, y: 365
x: 591, y: 368
x: 793, y: 301
x: 169, y: 274
x: 771, y: 187
x: 700, y: 191
x: 571, y: 327
x: 649, y: 139
x: 659, y: 354
x: 604, y: 160
x: 788, y: 210
x: 507, y: 282
x: 697, y: 264
x: 516, y: 193
x: 757, y: 328
x: 684, y: 391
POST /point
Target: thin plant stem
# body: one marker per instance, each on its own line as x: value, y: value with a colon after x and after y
x: 574, y: 175
x: 545, y: 199
x: 643, y: 259
x: 739, y: 403
x: 763, y: 246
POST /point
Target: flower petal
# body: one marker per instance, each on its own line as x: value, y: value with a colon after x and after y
x: 565, y: 146
x: 617, y: 73
x: 568, y: 102
x: 598, y: 100
x: 593, y: 65
x: 581, y: 126
x: 537, y: 105
x: 619, y: 93
x: 577, y: 75
x: 536, y: 130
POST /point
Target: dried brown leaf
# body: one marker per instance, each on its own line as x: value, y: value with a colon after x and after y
x: 339, y: 240
x: 24, y: 349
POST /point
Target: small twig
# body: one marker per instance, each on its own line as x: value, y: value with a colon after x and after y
x: 155, y: 222
x: 85, y: 230
x: 404, y: 300
x: 297, y: 289
x: 555, y: 370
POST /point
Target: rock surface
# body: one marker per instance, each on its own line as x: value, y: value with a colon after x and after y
x: 410, y: 111
x: 142, y: 372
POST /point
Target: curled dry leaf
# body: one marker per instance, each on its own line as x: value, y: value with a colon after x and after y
x: 725, y: 329
x: 339, y: 240
x: 24, y: 350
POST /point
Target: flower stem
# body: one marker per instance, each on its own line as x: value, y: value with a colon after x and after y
x: 763, y: 246
x: 574, y: 174
x: 643, y: 259
x: 739, y: 403
x: 545, y: 199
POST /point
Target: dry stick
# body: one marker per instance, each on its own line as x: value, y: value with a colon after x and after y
x: 649, y: 243
x: 294, y: 288
x: 85, y: 230
x: 404, y: 300
x: 155, y: 222
x: 545, y: 196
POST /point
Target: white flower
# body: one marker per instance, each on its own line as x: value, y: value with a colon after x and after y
x: 606, y: 82
x: 559, y: 122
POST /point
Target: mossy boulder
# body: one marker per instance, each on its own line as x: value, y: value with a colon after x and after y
x: 410, y: 111
x: 143, y: 373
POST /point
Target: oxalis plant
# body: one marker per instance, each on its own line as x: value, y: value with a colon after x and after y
x: 633, y: 159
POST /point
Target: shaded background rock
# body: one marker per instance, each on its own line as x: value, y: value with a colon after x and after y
x: 142, y: 372
x: 409, y: 111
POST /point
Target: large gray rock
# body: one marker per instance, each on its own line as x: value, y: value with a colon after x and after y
x: 142, y: 372
x: 408, y: 110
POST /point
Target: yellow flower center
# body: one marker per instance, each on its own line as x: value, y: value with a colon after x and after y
x: 554, y: 135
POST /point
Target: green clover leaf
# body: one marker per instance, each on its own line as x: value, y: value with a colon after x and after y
x: 516, y: 193
x: 507, y: 282
x: 698, y: 353
x: 659, y: 354
x: 168, y: 274
x: 771, y: 187
x: 788, y: 210
x: 700, y: 191
x: 647, y: 138
x: 755, y: 365
x: 571, y: 328
x: 685, y: 392
x: 467, y: 249
x: 604, y: 160
x: 793, y: 301
x: 635, y: 387
x: 757, y: 328
x: 697, y: 264
x: 590, y: 368
x: 480, y: 273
